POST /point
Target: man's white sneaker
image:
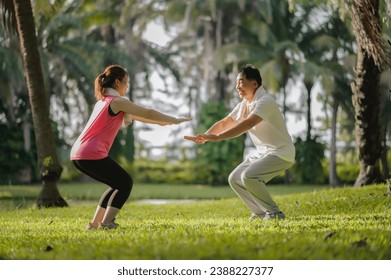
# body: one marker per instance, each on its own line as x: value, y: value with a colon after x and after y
x: 272, y: 216
x: 256, y: 216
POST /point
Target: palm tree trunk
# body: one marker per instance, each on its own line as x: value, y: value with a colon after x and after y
x: 366, y: 87
x: 366, y: 102
x: 333, y: 178
x: 308, y: 85
x: 288, y: 174
x: 48, y: 163
x: 384, y: 153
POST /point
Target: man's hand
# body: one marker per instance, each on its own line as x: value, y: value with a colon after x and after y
x: 195, y: 139
x: 209, y: 137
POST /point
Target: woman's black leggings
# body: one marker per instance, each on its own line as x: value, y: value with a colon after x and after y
x: 110, y: 173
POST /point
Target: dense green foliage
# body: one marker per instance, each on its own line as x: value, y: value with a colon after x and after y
x: 144, y: 170
x: 289, y: 46
x: 334, y: 224
x: 217, y: 160
x: 309, y: 157
x: 13, y: 156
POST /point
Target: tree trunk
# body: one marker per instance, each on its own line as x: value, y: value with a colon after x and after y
x: 385, y: 117
x: 288, y: 174
x: 333, y: 178
x: 308, y: 85
x: 47, y: 158
x: 366, y: 102
x: 384, y: 162
x: 385, y: 169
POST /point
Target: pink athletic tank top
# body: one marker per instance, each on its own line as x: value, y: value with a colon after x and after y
x: 98, y: 135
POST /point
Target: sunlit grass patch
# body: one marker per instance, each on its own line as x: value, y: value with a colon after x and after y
x: 349, y: 223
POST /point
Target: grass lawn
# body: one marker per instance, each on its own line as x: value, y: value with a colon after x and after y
x: 324, y: 224
x: 17, y: 197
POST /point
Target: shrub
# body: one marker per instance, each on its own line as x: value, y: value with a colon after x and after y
x: 347, y: 173
x: 180, y: 172
x: 308, y: 168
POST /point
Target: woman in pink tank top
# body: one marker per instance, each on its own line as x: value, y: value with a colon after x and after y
x: 90, y: 151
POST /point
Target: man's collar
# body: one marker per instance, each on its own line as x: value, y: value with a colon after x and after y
x: 258, y: 94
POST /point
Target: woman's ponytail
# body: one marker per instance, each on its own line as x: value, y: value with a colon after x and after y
x: 107, y: 79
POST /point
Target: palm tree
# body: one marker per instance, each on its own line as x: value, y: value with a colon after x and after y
x: 385, y: 116
x: 204, y: 27
x: 371, y: 57
x: 341, y: 41
x: 50, y: 169
x: 269, y: 38
x: 67, y: 50
x: 122, y: 30
x: 16, y: 162
x: 324, y: 48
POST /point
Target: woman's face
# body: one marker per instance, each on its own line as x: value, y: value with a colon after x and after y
x: 122, y: 85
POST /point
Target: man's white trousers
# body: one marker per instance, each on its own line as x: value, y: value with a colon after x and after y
x: 249, y: 178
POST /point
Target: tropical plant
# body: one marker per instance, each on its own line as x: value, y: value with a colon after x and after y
x: 385, y: 116
x: 269, y: 39
x: 366, y: 93
x: 309, y: 156
x: 328, y: 49
x: 203, y: 28
x: 15, y: 116
x: 219, y: 159
x: 365, y: 16
x: 123, y: 29
x: 50, y: 169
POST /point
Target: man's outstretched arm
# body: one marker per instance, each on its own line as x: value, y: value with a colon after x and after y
x: 233, y: 131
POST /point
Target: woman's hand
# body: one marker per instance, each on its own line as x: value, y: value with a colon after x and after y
x: 203, y: 138
x: 181, y: 120
x: 176, y: 121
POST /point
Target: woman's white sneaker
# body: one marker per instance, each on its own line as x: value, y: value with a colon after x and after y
x: 111, y: 225
x: 91, y: 226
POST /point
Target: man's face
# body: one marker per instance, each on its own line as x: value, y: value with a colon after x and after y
x: 245, y: 88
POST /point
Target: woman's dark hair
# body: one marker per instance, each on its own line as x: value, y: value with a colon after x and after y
x: 107, y: 79
x: 251, y: 73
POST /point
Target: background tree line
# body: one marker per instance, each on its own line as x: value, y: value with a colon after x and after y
x: 336, y: 46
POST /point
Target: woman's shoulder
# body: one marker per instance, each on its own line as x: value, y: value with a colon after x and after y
x: 119, y: 100
x: 119, y: 103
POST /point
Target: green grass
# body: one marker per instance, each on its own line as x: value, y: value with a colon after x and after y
x: 348, y: 223
x: 18, y: 197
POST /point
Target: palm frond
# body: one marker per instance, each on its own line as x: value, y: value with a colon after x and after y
x: 239, y: 53
x: 366, y: 27
x: 110, y: 53
x: 163, y: 58
x: 11, y: 69
x: 79, y: 61
x: 7, y: 14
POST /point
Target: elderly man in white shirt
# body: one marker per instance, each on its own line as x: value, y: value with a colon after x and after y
x: 259, y: 115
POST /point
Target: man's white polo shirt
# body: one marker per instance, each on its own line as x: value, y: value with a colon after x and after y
x: 270, y: 136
